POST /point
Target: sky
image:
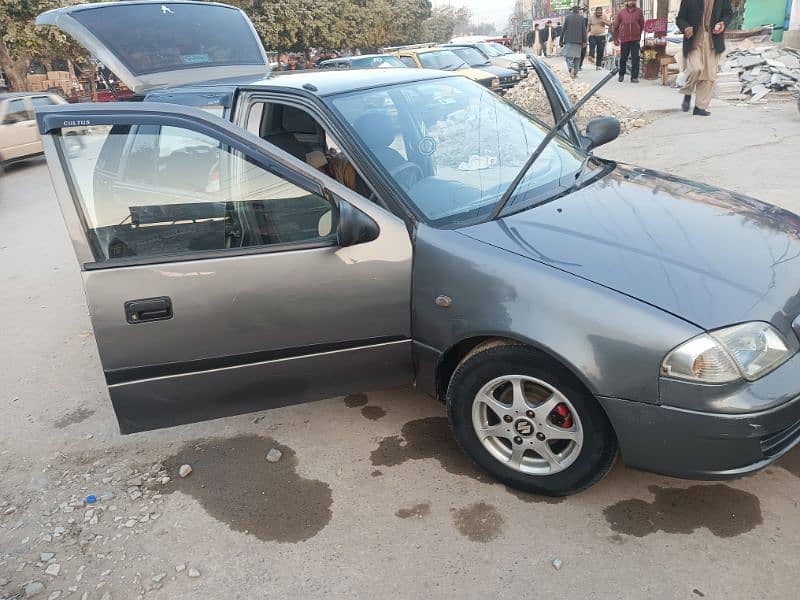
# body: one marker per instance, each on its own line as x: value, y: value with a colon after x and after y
x: 484, y: 11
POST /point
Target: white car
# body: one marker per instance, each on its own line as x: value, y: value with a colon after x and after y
x: 19, y: 137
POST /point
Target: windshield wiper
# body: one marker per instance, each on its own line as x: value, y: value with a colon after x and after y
x: 501, y: 204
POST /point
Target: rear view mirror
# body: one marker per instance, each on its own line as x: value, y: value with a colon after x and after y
x: 600, y: 131
x: 355, y: 227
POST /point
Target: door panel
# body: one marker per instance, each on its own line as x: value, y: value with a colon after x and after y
x: 269, y: 311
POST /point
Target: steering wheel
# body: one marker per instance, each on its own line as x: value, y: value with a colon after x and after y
x: 407, y: 174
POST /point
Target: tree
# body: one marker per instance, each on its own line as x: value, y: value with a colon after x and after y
x: 22, y: 43
x: 444, y: 22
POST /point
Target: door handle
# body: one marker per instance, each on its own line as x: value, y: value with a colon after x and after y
x: 148, y: 309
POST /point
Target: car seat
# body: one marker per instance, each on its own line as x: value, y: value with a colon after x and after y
x: 295, y: 131
x: 378, y: 133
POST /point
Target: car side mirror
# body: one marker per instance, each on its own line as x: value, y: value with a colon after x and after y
x: 600, y: 131
x: 355, y: 227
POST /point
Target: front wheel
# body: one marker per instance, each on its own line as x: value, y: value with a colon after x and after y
x: 529, y: 422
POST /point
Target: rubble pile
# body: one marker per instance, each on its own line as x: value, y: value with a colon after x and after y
x: 530, y: 96
x: 751, y: 72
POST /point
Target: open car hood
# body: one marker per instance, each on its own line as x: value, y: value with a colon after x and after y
x: 149, y: 45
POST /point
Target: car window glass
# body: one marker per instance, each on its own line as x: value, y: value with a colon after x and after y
x: 470, y: 56
x: 176, y: 191
x: 440, y: 59
x: 41, y: 101
x: 17, y: 112
x: 408, y: 61
x: 465, y: 146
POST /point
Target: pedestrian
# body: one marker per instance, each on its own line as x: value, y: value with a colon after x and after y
x: 551, y: 36
x: 703, y: 24
x: 628, y: 27
x: 598, y: 31
x: 556, y: 33
x: 537, y: 44
x: 582, y: 13
x: 573, y: 40
x: 529, y: 39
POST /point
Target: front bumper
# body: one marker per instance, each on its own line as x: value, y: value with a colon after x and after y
x: 701, y: 445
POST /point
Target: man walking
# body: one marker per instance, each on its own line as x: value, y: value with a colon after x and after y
x: 597, y: 37
x: 582, y: 13
x: 573, y: 40
x: 628, y: 27
x: 703, y: 23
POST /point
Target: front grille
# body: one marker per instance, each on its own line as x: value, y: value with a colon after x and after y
x: 774, y: 443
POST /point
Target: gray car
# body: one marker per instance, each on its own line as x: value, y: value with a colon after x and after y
x: 259, y: 241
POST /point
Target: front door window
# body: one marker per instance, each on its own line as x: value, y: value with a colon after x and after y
x: 149, y: 191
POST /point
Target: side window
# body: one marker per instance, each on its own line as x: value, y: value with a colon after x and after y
x: 37, y: 101
x: 408, y: 61
x: 159, y: 192
x: 17, y: 112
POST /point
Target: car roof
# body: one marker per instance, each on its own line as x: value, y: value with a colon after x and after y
x: 357, y: 57
x: 423, y: 50
x: 324, y: 82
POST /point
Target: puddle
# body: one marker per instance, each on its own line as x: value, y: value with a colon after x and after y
x: 373, y: 413
x: 235, y: 484
x: 72, y: 417
x: 376, y: 473
x: 723, y: 510
x: 791, y: 462
x: 480, y: 522
x: 425, y: 438
x: 418, y: 510
x: 355, y: 400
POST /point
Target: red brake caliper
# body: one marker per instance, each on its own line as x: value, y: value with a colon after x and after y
x: 564, y: 418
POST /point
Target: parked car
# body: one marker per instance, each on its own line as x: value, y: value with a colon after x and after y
x: 337, y: 232
x: 425, y: 56
x: 19, y: 137
x: 366, y: 61
x: 475, y: 59
x: 494, y: 57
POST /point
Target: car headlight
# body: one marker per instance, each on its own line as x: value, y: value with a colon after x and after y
x: 749, y: 350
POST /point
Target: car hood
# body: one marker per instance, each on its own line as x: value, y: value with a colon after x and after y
x: 709, y: 256
x: 475, y: 74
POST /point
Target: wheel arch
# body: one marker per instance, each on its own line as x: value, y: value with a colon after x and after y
x: 462, y: 349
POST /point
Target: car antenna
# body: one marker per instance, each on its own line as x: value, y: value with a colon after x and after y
x: 546, y: 140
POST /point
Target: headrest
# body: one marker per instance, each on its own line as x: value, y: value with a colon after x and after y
x: 376, y: 129
x: 295, y: 120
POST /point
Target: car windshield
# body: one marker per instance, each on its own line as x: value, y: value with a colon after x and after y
x: 471, y: 56
x: 501, y: 50
x: 446, y: 60
x: 376, y: 62
x: 454, y: 147
x: 488, y: 50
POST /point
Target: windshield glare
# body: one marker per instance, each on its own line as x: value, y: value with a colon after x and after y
x: 445, y: 60
x: 488, y: 50
x: 376, y: 62
x: 471, y: 56
x: 455, y: 147
x: 500, y: 48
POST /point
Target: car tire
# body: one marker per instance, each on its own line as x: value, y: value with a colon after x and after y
x: 483, y: 396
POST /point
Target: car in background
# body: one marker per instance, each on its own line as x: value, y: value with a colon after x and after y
x: 366, y: 61
x: 428, y: 56
x: 19, y: 138
x: 477, y: 60
x: 498, y: 50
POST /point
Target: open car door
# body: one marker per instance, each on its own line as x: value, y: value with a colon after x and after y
x: 223, y: 275
x: 154, y: 44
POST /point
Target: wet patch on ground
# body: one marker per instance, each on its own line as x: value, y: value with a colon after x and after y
x: 723, y: 510
x: 377, y: 473
x: 425, y: 438
x: 418, y: 510
x: 235, y: 484
x: 791, y: 462
x: 373, y: 413
x: 355, y: 400
x: 72, y: 417
x: 480, y: 522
